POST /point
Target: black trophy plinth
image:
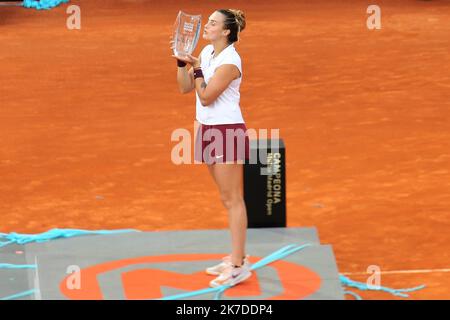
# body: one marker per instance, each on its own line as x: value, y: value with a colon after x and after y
x: 265, y: 184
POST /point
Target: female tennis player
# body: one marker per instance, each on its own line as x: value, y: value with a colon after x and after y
x: 222, y: 141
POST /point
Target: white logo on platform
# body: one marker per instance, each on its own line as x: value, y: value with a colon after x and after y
x: 73, y: 281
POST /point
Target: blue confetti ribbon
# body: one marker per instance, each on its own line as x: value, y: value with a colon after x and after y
x: 346, y: 282
x: 43, y: 4
x: 17, y: 266
x: 53, y: 234
x: 19, y: 295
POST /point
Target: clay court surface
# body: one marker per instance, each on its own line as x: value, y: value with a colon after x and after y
x: 86, y: 118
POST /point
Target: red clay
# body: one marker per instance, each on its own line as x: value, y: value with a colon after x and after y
x: 86, y: 118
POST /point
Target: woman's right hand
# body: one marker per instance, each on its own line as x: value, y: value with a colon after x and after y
x: 172, y: 46
x: 193, y: 61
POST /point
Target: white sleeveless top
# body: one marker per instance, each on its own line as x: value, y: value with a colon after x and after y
x: 225, y: 109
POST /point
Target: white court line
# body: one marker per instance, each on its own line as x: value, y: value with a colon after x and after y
x: 37, y: 287
x: 397, y: 272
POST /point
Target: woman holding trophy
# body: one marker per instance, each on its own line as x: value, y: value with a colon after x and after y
x: 221, y: 142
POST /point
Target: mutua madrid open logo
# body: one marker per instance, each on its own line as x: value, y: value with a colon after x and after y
x: 296, y: 281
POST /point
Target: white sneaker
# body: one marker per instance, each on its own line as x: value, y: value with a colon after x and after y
x: 231, y: 276
x: 226, y: 261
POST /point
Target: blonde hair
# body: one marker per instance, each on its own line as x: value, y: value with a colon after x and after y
x: 235, y: 22
x: 240, y: 18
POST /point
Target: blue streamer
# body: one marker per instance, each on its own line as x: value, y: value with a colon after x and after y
x: 17, y: 266
x: 220, y: 292
x: 363, y: 286
x: 54, y: 234
x: 5, y: 243
x: 42, y: 4
x: 19, y: 295
x: 278, y: 255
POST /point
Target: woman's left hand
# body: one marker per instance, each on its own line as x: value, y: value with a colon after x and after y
x: 189, y: 59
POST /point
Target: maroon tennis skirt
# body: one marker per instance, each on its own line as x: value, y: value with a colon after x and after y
x: 222, y: 143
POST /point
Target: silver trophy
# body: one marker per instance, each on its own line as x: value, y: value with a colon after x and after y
x: 186, y: 33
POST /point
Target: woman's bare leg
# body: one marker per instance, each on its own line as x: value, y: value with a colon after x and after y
x: 229, y: 179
